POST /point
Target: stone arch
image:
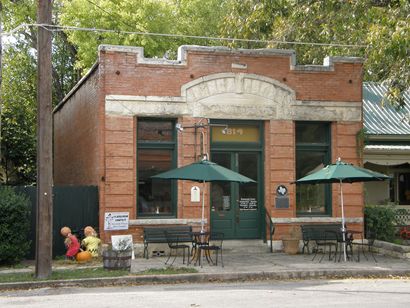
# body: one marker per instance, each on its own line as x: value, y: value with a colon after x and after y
x: 237, y: 95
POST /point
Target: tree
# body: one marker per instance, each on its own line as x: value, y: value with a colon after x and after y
x: 186, y: 17
x: 136, y: 15
x: 381, y: 26
x: 18, y: 143
x: 18, y: 89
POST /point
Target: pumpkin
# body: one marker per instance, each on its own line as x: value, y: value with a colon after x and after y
x: 83, y: 256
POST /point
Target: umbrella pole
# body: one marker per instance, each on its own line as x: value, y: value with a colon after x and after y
x: 203, y: 208
x: 343, y: 222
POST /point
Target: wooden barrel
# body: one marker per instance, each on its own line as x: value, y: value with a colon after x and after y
x: 114, y: 260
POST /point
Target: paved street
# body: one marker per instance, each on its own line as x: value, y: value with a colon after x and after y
x: 299, y: 293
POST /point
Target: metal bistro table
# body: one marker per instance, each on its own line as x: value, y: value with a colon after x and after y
x: 200, y: 239
x: 347, y: 241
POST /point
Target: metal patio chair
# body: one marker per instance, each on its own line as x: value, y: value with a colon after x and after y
x: 215, y: 245
x: 178, y: 241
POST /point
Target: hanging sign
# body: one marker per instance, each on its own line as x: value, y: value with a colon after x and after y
x: 116, y: 221
x: 195, y: 194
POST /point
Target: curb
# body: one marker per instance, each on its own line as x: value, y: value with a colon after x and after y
x: 204, y: 277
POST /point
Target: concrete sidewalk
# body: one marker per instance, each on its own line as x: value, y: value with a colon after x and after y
x: 281, y: 266
x: 240, y: 265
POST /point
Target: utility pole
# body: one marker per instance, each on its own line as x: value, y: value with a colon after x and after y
x: 44, y: 235
x: 1, y: 69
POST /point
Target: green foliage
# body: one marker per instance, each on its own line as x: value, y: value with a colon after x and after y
x: 18, y: 88
x: 187, y: 17
x: 381, y: 221
x: 169, y: 271
x: 73, y: 273
x: 383, y: 26
x: 14, y: 226
x: 93, y: 272
x: 361, y: 141
x: 18, y: 129
x: 136, y: 15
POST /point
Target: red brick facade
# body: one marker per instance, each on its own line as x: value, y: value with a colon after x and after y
x: 94, y: 146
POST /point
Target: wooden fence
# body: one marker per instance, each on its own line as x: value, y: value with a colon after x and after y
x: 73, y: 206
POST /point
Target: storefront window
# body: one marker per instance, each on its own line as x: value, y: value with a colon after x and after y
x: 155, y: 155
x: 312, y: 154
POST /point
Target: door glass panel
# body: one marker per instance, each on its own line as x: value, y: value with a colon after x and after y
x: 248, y: 192
x: 221, y: 191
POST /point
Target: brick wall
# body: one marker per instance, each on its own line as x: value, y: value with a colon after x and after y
x: 76, y: 129
x: 344, y: 145
x: 125, y: 76
x: 80, y: 159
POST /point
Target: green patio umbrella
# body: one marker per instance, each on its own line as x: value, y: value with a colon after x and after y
x: 342, y: 172
x: 203, y: 171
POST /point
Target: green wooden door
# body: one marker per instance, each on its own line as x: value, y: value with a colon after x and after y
x: 235, y: 208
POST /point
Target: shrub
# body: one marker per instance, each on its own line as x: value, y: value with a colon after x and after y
x: 380, y: 220
x: 14, y: 225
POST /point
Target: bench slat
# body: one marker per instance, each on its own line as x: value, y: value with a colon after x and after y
x: 157, y: 235
x: 319, y: 232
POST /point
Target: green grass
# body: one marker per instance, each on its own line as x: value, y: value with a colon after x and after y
x: 14, y: 266
x: 64, y: 274
x: 90, y: 273
x: 168, y: 271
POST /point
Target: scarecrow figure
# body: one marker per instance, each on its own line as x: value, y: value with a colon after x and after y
x: 91, y: 243
x: 70, y: 242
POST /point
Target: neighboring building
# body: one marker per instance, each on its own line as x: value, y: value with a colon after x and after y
x: 387, y: 148
x: 254, y: 111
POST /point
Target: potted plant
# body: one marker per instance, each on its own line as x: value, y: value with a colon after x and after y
x: 292, y: 240
x: 118, y: 255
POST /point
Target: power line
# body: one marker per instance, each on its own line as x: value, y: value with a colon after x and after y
x: 56, y: 28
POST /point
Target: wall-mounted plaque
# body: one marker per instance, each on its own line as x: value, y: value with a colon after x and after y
x: 282, y: 199
x: 248, y: 204
x: 282, y: 202
x: 282, y: 190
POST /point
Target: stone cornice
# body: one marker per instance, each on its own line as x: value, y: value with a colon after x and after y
x: 164, y: 221
x: 328, y: 62
x: 234, y: 96
x: 316, y: 220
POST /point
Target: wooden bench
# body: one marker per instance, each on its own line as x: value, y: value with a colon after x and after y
x: 181, y: 234
x: 319, y: 232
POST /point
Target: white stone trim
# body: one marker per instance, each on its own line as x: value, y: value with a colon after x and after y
x: 328, y: 62
x: 326, y: 111
x: 126, y: 105
x: 139, y: 52
x: 238, y: 83
x: 164, y: 221
x: 316, y: 220
x: 239, y: 66
x: 151, y: 99
x: 234, y: 96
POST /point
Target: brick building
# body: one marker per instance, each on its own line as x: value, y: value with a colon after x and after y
x: 254, y: 111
